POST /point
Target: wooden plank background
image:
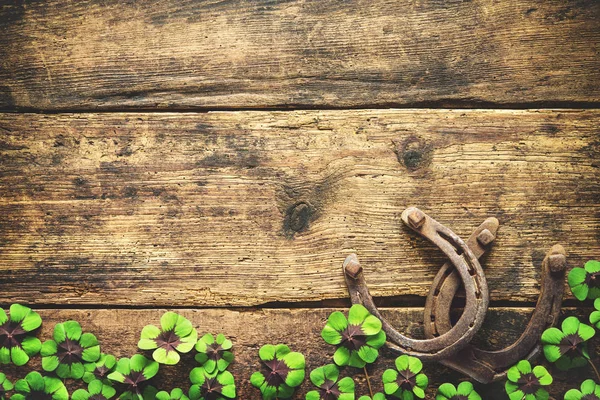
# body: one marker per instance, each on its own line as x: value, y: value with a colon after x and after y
x: 62, y: 55
x: 222, y: 158
x: 259, y: 207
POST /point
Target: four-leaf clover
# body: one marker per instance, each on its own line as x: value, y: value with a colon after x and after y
x: 406, y: 381
x: 97, y: 390
x: 326, y: 380
x: 36, y: 387
x: 567, y: 347
x: 214, y: 353
x: 134, y: 373
x: 589, y: 391
x: 358, y: 338
x: 211, y: 386
x: 585, y: 282
x: 100, y: 369
x: 16, y: 342
x: 177, y: 335
x: 526, y: 384
x: 284, y: 371
x: 68, y: 350
x: 464, y: 391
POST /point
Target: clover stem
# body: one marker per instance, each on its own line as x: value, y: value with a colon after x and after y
x: 594, y: 368
x: 368, y: 381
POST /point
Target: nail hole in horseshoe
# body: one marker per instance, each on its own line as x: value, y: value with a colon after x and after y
x: 452, y: 242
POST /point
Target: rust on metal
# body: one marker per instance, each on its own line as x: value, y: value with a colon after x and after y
x: 488, y: 366
x: 472, y: 277
x: 351, y: 266
x: 447, y: 283
x: 450, y: 343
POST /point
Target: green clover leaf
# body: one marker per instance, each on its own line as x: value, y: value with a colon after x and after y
x: 589, y: 391
x: 284, y: 372
x: 176, y: 335
x: 406, y: 381
x: 465, y: 390
x: 176, y: 394
x: 134, y: 373
x: 100, y: 369
x: 376, y: 396
x: 17, y: 343
x: 595, y: 315
x: 358, y: 338
x: 147, y: 393
x: 585, y: 282
x: 211, y: 386
x: 214, y: 353
x: 567, y: 347
x: 5, y: 386
x: 68, y: 350
x: 97, y: 390
x: 35, y: 386
x: 526, y: 383
x: 329, y: 387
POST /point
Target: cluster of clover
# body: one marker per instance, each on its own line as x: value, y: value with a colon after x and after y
x: 72, y: 354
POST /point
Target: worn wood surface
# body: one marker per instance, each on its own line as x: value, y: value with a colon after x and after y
x: 297, y: 53
x: 118, y: 332
x: 248, y: 208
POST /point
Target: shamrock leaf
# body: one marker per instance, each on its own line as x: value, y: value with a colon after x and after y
x: 176, y: 335
x: 329, y: 387
x: 376, y: 396
x: 17, y: 343
x: 176, y: 394
x: 585, y: 282
x: 100, y: 369
x: 97, y: 390
x: 35, y: 387
x: 211, y: 386
x: 568, y: 347
x: 284, y: 372
x: 595, y: 315
x: 406, y: 381
x: 68, y: 350
x: 589, y: 391
x: 357, y: 338
x: 133, y: 373
x: 214, y: 353
x: 526, y: 383
x: 465, y: 391
x: 5, y: 386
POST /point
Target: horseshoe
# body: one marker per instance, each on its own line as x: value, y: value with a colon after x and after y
x: 470, y: 272
x: 447, y: 282
x: 489, y: 366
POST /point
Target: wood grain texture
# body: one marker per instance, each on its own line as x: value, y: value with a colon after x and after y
x: 247, y: 208
x: 118, y: 332
x: 66, y: 55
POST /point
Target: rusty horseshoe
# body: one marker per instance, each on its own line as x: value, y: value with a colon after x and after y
x: 488, y: 366
x: 471, y: 274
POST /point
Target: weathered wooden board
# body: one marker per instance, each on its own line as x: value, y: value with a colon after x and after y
x: 119, y: 331
x: 93, y: 54
x: 247, y: 208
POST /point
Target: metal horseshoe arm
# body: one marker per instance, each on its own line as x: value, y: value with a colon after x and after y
x: 471, y: 275
x: 447, y: 282
x: 487, y: 366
